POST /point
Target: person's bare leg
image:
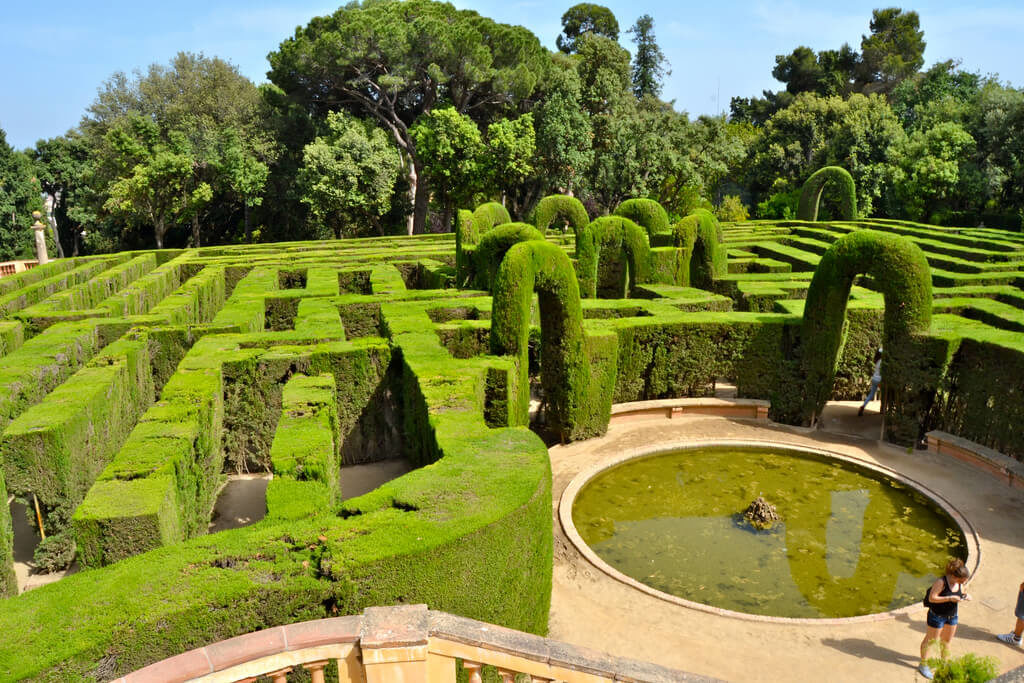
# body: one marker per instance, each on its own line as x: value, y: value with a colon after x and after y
x: 1018, y: 628
x: 948, y: 631
x: 930, y: 636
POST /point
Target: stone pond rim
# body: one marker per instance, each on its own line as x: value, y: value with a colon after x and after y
x: 578, y: 482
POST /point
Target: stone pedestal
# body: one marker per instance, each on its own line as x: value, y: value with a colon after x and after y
x: 39, y: 229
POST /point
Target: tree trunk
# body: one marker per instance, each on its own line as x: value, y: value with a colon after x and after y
x: 195, y: 231
x: 410, y: 223
x: 158, y: 230
x: 421, y: 204
x: 52, y: 220
x: 248, y: 231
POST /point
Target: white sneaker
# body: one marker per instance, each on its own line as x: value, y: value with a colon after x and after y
x: 1010, y: 639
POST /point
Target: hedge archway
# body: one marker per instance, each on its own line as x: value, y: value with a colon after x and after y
x: 575, y: 406
x: 810, y: 195
x: 561, y: 207
x: 900, y: 270
x: 645, y: 212
x: 612, y: 232
x: 494, y: 244
x: 701, y: 234
x: 468, y: 231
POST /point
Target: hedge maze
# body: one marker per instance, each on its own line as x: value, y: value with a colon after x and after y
x: 130, y: 385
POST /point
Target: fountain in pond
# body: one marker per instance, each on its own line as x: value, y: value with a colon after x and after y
x: 852, y: 539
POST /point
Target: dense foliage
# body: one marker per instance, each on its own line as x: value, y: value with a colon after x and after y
x: 388, y: 117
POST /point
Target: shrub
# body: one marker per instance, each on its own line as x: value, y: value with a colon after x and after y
x: 732, y: 210
x: 562, y: 210
x: 645, y: 212
x: 899, y: 268
x: 780, y: 205
x: 810, y: 195
x: 612, y: 233
x: 575, y: 407
x: 492, y: 248
x: 701, y: 235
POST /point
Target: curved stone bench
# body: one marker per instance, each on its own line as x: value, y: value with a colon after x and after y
x: 978, y: 456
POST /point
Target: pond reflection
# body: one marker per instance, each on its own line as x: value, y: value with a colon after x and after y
x: 850, y: 541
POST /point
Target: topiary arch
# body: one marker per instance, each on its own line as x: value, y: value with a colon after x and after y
x: 900, y: 270
x: 468, y: 230
x: 576, y: 405
x: 701, y: 234
x: 646, y: 212
x: 563, y: 208
x: 492, y: 248
x: 810, y: 196
x: 614, y: 233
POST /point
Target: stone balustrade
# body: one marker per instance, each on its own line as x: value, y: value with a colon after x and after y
x: 402, y: 644
x: 12, y: 267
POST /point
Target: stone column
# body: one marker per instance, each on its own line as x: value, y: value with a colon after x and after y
x: 39, y: 229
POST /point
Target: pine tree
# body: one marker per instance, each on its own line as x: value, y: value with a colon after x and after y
x: 649, y: 64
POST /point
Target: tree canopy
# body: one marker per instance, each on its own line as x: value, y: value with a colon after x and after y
x: 585, y: 18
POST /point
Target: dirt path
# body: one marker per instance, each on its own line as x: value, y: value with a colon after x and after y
x: 590, y: 608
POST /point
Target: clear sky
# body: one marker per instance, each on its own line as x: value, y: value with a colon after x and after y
x: 54, y: 57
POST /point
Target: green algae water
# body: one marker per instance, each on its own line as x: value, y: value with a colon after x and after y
x: 850, y: 540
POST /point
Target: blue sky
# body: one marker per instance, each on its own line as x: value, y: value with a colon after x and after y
x: 53, y: 61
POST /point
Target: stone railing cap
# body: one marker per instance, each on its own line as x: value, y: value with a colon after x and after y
x: 397, y: 626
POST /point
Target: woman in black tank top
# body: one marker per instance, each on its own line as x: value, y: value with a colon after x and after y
x: 943, y: 599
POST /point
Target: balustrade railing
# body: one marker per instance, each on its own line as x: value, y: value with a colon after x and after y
x: 403, y: 644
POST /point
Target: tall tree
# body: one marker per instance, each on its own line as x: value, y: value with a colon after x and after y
x: 19, y: 197
x: 349, y: 175
x: 451, y: 149
x: 395, y: 61
x: 154, y: 179
x: 893, y: 51
x: 649, y: 64
x: 585, y: 18
x: 206, y: 105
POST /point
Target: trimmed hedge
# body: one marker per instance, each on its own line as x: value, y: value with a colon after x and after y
x: 574, y: 406
x: 414, y: 375
x: 304, y: 455
x: 810, y: 195
x: 645, y: 212
x: 56, y: 448
x: 899, y: 268
x: 563, y: 210
x: 492, y: 248
x: 8, y: 581
x: 700, y: 235
x: 609, y: 235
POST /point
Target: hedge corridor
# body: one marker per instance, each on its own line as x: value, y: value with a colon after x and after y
x: 132, y: 384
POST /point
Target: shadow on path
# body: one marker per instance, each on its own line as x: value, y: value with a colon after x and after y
x: 867, y: 649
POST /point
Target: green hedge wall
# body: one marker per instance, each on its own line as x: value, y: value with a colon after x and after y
x: 304, y: 455
x: 608, y: 235
x: 492, y: 248
x: 645, y: 212
x: 810, y: 195
x: 569, y: 395
x: 981, y: 396
x: 700, y: 235
x: 8, y: 581
x: 900, y: 269
x: 562, y: 208
x: 56, y: 448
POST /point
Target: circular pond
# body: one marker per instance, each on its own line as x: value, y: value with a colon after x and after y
x: 851, y: 539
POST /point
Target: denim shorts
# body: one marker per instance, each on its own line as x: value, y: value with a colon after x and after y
x: 937, y: 621
x: 1019, y: 612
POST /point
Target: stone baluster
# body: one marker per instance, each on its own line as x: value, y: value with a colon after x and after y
x: 473, y: 669
x: 507, y: 676
x: 316, y: 670
x: 280, y: 676
x: 39, y: 228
